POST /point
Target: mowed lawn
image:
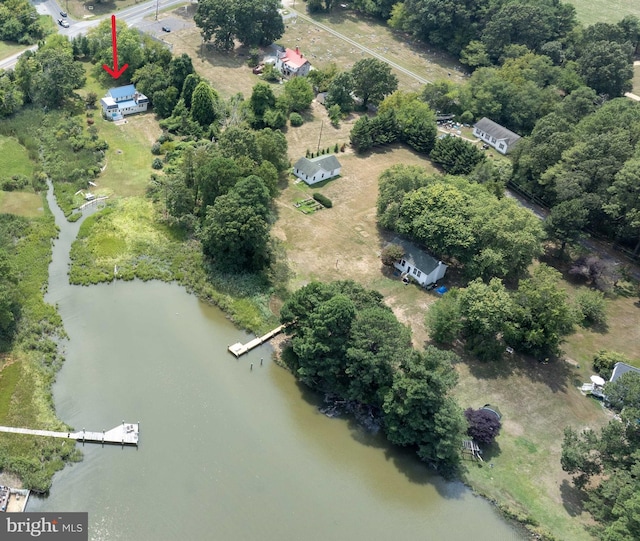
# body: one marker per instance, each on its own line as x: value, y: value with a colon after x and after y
x: 128, y: 158
x: 606, y: 11
x: 8, y: 48
x: 21, y: 203
x: 14, y: 159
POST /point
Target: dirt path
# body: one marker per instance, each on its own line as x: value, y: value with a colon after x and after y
x: 308, y: 19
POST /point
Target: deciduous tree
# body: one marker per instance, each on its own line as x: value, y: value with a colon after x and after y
x: 372, y: 80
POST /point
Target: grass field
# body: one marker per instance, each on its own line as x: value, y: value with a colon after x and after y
x: 79, y: 9
x: 606, y: 11
x: 229, y: 74
x: 8, y: 48
x: 128, y: 159
x: 21, y: 203
x: 14, y: 159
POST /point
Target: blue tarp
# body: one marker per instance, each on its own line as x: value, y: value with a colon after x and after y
x: 441, y: 290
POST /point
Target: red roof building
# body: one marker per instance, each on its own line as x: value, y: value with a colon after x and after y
x: 292, y: 63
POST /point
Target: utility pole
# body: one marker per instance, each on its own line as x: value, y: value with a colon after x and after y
x: 319, y: 137
x: 157, y: 5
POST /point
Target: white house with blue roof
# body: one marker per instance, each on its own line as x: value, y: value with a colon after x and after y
x: 122, y: 101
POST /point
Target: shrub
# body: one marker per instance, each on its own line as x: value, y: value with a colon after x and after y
x: 296, y: 119
x: 484, y: 425
x: 254, y: 57
x: 16, y: 182
x: 155, y: 149
x: 391, y: 253
x: 324, y: 201
x: 335, y: 114
x: 604, y: 361
x: 591, y: 308
x: 157, y: 163
x: 336, y: 148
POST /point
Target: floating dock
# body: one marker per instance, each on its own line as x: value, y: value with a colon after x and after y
x: 240, y: 349
x: 124, y: 434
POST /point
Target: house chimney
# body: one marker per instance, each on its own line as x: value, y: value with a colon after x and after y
x: 297, y: 50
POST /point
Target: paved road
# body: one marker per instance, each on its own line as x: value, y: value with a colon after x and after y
x: 133, y: 16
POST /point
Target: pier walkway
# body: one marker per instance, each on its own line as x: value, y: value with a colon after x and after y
x: 124, y: 434
x: 240, y: 349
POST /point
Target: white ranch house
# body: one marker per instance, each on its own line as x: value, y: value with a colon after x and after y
x: 292, y: 63
x: 495, y: 135
x: 418, y: 265
x: 122, y: 101
x: 317, y: 169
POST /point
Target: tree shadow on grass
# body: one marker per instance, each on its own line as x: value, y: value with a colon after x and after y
x: 572, y: 498
x: 554, y: 372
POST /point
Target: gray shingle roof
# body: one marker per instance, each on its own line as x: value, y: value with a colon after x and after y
x: 311, y: 166
x: 622, y: 368
x: 416, y: 257
x: 496, y: 130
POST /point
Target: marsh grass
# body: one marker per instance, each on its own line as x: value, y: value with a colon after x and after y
x: 29, y: 367
x: 128, y: 240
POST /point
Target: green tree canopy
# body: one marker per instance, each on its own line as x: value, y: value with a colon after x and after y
x: 299, y: 92
x: 252, y: 22
x: 204, y: 104
x: 455, y: 155
x: 372, y: 80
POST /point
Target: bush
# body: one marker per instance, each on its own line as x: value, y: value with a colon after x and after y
x: 16, y: 182
x: 157, y: 163
x: 484, y: 425
x: 335, y: 114
x: 324, y: 201
x: 155, y: 149
x: 604, y: 361
x: 390, y: 254
x: 591, y: 308
x: 296, y: 119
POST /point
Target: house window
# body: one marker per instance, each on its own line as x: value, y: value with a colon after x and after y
x: 493, y: 139
x: 501, y: 146
x: 414, y: 270
x: 418, y: 274
x: 403, y: 263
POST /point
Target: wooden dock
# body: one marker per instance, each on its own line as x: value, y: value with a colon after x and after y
x: 124, y: 434
x: 240, y: 349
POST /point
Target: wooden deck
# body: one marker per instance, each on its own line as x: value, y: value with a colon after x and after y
x: 240, y: 349
x: 124, y: 434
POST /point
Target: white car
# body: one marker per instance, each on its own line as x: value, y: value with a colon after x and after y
x: 64, y: 23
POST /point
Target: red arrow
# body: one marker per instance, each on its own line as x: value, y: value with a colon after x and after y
x: 115, y: 72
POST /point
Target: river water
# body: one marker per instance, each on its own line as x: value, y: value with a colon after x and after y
x: 226, y: 453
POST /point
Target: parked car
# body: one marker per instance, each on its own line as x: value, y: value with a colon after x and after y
x: 166, y: 29
x: 64, y: 23
x: 63, y: 14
